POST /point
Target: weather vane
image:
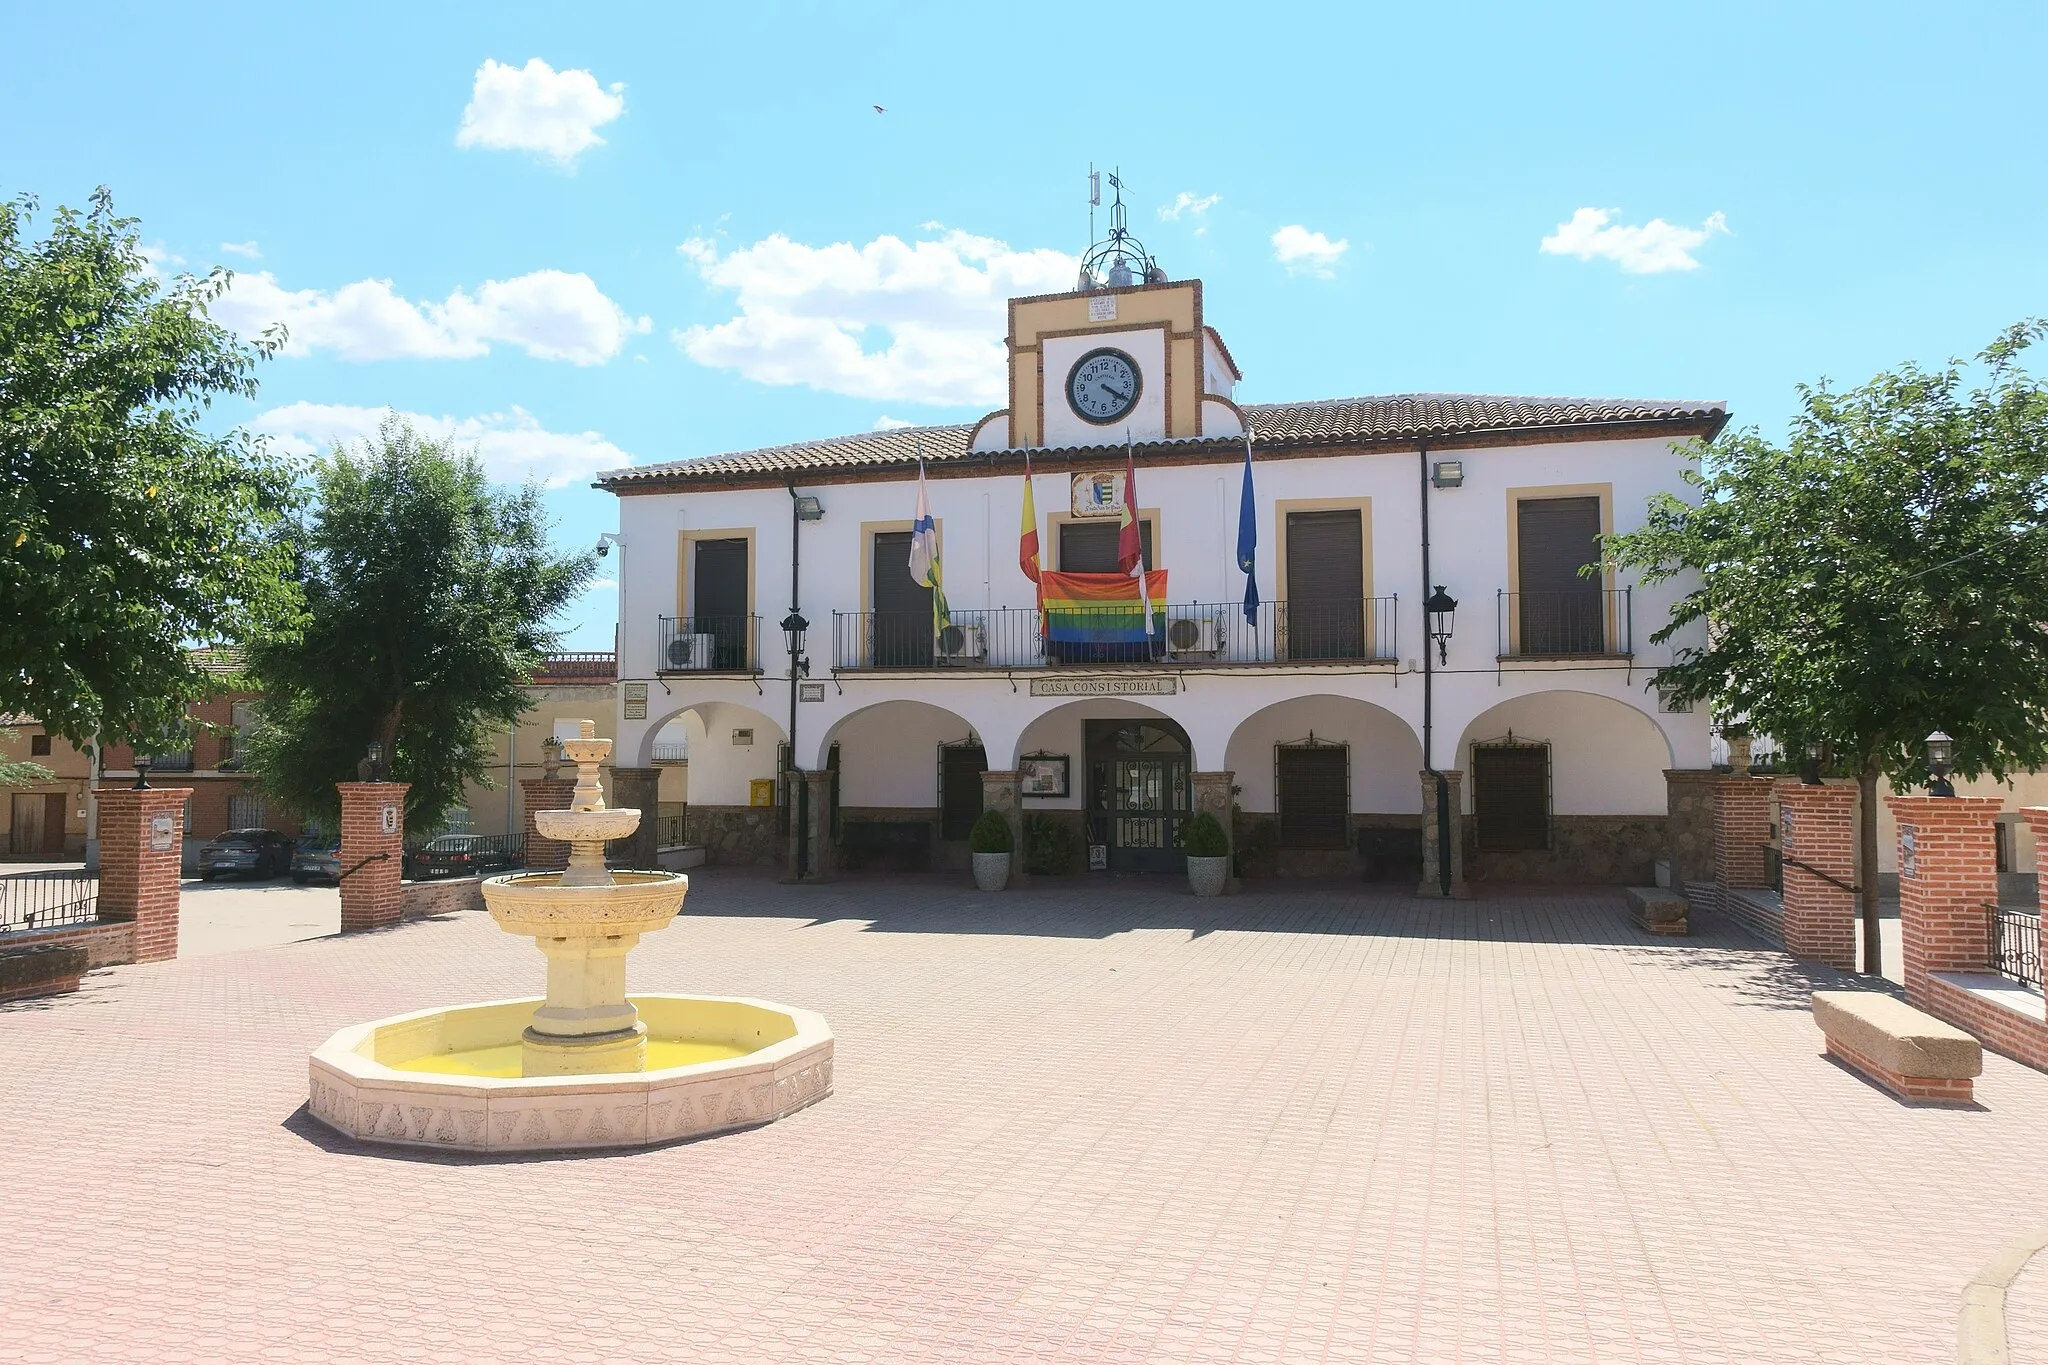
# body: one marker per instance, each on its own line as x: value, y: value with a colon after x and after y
x: 1118, y: 259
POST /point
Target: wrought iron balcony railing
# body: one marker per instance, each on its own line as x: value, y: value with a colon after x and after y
x: 1361, y: 630
x: 1574, y: 624
x: 713, y: 644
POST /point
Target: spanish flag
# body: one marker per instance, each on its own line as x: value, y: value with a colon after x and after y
x: 1027, y: 534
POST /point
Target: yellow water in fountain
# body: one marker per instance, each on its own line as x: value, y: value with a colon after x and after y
x: 503, y: 1062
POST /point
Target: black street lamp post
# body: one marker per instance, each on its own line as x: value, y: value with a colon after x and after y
x: 1940, y: 749
x: 1443, y: 610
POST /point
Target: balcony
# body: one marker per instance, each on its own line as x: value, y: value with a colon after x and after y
x: 671, y: 753
x: 596, y: 665
x: 1593, y: 623
x: 708, y: 644
x: 1201, y: 634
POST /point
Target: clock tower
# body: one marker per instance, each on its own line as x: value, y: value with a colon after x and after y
x: 1126, y: 351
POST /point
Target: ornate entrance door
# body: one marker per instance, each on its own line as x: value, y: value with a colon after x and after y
x: 1139, y: 792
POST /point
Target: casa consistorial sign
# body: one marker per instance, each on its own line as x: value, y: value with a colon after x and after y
x: 1104, y: 687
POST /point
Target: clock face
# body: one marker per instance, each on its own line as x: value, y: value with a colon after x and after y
x: 1103, y: 386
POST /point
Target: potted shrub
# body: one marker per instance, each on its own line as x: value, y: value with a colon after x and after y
x: 991, y: 844
x: 1208, y: 850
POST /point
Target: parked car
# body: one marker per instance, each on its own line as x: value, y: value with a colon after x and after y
x: 261, y: 852
x: 317, y: 859
x: 458, y: 855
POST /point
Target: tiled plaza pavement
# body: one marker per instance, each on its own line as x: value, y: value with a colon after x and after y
x: 1112, y: 1124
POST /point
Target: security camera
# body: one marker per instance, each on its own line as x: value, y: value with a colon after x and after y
x: 605, y: 543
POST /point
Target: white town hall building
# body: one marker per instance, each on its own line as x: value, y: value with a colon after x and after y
x: 1320, y: 719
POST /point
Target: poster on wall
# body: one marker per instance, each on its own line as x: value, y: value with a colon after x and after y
x: 761, y: 791
x: 1043, y: 775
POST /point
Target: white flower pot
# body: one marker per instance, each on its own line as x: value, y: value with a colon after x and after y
x: 991, y: 871
x: 1207, y: 875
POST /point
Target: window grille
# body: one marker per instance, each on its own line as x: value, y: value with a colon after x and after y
x: 1511, y: 794
x: 1312, y: 793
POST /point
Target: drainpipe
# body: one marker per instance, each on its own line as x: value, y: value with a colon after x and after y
x: 1443, y: 784
x: 799, y: 797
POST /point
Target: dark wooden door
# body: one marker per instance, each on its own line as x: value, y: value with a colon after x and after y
x: 1511, y: 796
x: 53, y: 823
x: 960, y: 770
x: 1326, y: 585
x: 719, y: 581
x: 1561, y: 611
x: 902, y: 607
x: 1313, y: 796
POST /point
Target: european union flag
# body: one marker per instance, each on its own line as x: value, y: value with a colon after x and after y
x: 1248, y: 538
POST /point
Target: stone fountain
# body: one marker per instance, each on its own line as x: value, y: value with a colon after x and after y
x: 587, y: 1065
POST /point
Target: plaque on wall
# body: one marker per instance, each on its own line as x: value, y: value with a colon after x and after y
x: 1099, y: 495
x: 1104, y: 687
x: 810, y: 691
x: 636, y: 701
x: 163, y: 832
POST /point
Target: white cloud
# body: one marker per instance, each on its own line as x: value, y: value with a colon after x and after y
x: 513, y: 445
x: 535, y: 108
x: 549, y: 314
x: 247, y: 249
x: 889, y: 320
x: 1651, y: 249
x: 1308, y: 253
x: 887, y: 423
x: 1190, y: 204
x: 602, y: 585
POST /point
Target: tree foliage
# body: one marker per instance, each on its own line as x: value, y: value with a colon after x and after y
x: 1881, y: 575
x: 427, y: 598
x: 20, y: 772
x: 127, y: 532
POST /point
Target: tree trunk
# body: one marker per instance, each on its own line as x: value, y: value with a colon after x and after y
x: 1866, y: 867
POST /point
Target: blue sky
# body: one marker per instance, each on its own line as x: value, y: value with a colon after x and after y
x: 627, y: 252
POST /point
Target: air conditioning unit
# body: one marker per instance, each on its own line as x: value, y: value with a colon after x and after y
x: 692, y: 651
x: 963, y: 642
x: 1192, y: 635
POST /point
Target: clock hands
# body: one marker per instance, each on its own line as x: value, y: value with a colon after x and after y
x: 1113, y: 393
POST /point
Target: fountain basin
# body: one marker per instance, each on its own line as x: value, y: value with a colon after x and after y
x: 539, y: 905
x: 738, y: 1063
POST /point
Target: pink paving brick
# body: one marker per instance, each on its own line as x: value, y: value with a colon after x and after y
x: 1070, y: 1124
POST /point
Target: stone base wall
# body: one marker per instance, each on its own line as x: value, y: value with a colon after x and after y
x: 420, y: 899
x: 738, y: 836
x: 854, y: 856
x: 1615, y: 850
x: 1260, y: 855
x: 107, y: 943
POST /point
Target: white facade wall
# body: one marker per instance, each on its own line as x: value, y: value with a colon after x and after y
x: 1385, y: 756
x: 888, y: 754
x: 1196, y: 508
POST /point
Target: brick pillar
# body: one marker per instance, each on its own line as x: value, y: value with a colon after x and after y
x: 2037, y: 821
x: 1212, y: 794
x: 1820, y: 831
x: 1948, y: 880
x: 1689, y: 825
x: 999, y: 793
x: 372, y: 853
x: 545, y: 793
x: 142, y: 845
x: 1432, y: 877
x: 637, y: 789
x: 1742, y: 826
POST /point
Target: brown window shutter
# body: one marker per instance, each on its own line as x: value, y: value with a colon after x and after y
x: 1313, y: 796
x: 1326, y: 585
x: 1511, y: 796
x: 1090, y: 546
x: 1561, y: 611
x: 902, y: 605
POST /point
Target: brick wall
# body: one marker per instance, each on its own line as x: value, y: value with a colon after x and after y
x: 440, y: 897
x: 1742, y: 826
x: 1820, y: 831
x: 371, y: 857
x: 107, y: 944
x: 139, y: 883
x: 547, y: 793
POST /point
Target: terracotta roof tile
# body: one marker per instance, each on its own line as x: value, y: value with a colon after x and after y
x: 1334, y: 421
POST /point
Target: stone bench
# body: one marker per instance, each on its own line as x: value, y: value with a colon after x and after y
x: 1908, y: 1052
x: 1659, y: 911
x: 43, y: 969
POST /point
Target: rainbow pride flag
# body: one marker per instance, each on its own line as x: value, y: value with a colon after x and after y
x: 1102, y: 608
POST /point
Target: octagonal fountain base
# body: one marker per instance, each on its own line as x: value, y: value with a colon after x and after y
x: 448, y: 1079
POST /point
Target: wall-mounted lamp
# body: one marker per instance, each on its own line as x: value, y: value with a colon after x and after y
x: 142, y: 772
x: 1940, y: 749
x: 808, y: 508
x: 1809, y: 771
x: 1447, y: 473
x: 1442, y: 609
x: 793, y: 628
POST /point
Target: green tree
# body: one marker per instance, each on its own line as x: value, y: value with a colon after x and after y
x: 127, y: 533
x: 20, y: 772
x: 1879, y: 576
x: 427, y: 595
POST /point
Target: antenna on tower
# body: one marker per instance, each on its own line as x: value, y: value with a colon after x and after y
x: 1118, y: 260
x: 1094, y: 197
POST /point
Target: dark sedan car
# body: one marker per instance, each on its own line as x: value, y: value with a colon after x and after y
x: 251, y: 852
x: 317, y: 859
x: 458, y: 855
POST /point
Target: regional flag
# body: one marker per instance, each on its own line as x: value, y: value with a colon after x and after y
x: 924, y: 556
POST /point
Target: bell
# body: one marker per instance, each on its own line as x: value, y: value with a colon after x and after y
x: 1120, y: 274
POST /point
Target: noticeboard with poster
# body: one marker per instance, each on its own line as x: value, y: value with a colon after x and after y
x: 1044, y: 775
x: 761, y: 791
